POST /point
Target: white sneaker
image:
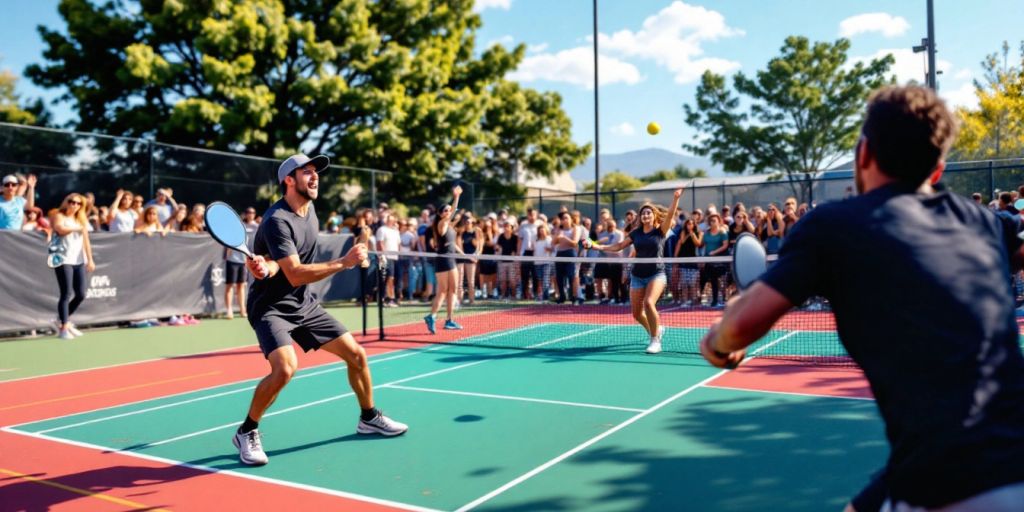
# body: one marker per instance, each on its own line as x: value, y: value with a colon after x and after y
x: 381, y: 425
x: 65, y: 334
x: 250, y: 448
x: 654, y: 346
x: 74, y: 330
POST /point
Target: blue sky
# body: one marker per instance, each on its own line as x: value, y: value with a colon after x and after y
x: 653, y: 51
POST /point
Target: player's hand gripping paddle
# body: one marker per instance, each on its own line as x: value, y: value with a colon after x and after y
x: 225, y: 226
x: 749, y: 260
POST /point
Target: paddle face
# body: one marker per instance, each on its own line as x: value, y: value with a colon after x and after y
x: 749, y: 260
x: 1019, y: 204
x: 226, y: 227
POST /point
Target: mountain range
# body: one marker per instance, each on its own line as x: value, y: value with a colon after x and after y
x: 642, y: 163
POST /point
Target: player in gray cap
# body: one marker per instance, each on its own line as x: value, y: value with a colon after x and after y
x: 282, y: 310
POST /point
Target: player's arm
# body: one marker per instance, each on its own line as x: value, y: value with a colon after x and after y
x: 670, y: 215
x: 747, y: 318
x: 626, y: 242
x: 299, y: 273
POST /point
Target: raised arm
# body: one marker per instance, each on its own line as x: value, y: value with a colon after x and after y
x: 115, y: 207
x: 666, y: 224
x: 30, y: 191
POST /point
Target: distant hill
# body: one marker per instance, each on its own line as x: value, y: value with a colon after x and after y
x: 642, y: 163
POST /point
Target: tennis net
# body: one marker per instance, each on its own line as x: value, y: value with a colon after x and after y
x: 518, y: 303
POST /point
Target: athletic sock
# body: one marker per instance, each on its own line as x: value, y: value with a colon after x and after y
x: 248, y: 425
x: 369, y: 414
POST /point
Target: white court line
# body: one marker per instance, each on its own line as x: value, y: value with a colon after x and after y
x: 377, y: 358
x: 535, y: 471
x: 345, y: 395
x: 209, y: 469
x: 811, y: 395
x: 516, y: 398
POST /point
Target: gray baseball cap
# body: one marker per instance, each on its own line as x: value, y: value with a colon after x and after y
x: 296, y: 161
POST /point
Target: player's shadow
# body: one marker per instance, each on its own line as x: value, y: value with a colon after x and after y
x: 229, y: 460
x: 731, y: 453
x: 17, y: 493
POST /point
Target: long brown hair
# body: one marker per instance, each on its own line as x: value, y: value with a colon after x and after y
x: 659, y: 211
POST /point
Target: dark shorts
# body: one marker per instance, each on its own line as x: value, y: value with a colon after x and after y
x: 444, y: 264
x: 310, y: 332
x: 389, y: 268
x: 234, y: 273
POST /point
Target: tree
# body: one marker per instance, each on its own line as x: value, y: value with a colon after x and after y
x: 615, y: 181
x: 527, y: 135
x: 12, y: 109
x: 804, y: 110
x: 388, y: 84
x: 679, y: 172
x: 996, y: 128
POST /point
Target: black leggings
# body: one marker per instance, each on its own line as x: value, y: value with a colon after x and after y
x: 563, y: 275
x: 74, y: 274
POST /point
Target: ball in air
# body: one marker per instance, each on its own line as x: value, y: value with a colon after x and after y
x: 653, y: 128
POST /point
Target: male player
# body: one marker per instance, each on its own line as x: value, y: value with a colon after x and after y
x: 918, y: 279
x: 281, y: 308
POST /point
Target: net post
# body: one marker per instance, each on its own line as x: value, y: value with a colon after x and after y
x: 362, y: 295
x: 381, y: 266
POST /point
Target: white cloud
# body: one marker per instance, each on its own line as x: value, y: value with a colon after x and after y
x: 673, y: 39
x: 575, y: 66
x: 887, y: 24
x: 482, y: 5
x: 962, y: 96
x: 624, y: 129
x: 505, y: 40
x: 537, y: 48
x: 964, y: 74
x: 907, y: 66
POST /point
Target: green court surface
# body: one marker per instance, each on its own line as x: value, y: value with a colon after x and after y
x: 592, y: 430
x: 30, y: 357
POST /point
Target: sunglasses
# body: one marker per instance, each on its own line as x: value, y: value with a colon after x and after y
x: 10, y: 185
x: 76, y: 203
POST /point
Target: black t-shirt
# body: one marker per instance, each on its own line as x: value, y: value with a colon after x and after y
x: 648, y: 245
x: 508, y: 245
x: 281, y: 234
x: 919, y: 285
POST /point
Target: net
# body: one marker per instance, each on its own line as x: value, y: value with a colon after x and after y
x: 535, y: 303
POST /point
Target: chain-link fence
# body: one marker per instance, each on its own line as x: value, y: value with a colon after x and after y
x: 67, y: 161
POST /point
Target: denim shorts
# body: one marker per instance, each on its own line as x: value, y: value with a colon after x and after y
x: 639, y: 283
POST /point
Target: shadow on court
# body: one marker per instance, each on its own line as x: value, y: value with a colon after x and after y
x: 732, y: 453
x: 19, y: 494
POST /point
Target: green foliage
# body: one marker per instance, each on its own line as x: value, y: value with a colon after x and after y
x: 804, y: 111
x: 616, y: 181
x: 389, y: 84
x: 679, y: 172
x: 996, y: 128
x: 12, y: 109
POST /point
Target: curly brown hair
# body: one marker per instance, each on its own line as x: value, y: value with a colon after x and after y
x: 909, y: 130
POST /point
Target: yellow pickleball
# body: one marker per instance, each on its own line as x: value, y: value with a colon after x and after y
x: 653, y: 128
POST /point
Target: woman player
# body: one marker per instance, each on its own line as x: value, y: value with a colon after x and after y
x: 648, y: 280
x: 443, y: 233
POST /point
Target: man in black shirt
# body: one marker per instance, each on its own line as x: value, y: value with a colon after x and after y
x: 918, y: 281
x: 282, y: 309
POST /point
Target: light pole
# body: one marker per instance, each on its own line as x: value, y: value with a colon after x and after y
x: 597, y: 128
x: 928, y: 45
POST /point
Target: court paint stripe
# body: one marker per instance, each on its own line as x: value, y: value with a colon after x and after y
x: 770, y: 392
x: 515, y: 398
x: 537, y: 470
x: 57, y: 485
x: 165, y: 358
x: 208, y: 469
x: 104, y: 367
x: 376, y: 358
x: 109, y: 391
x: 346, y: 395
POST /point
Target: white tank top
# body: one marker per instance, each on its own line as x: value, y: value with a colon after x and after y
x: 76, y: 253
x: 124, y: 222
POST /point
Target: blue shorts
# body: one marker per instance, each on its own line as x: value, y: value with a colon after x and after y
x: 639, y: 283
x: 428, y: 271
